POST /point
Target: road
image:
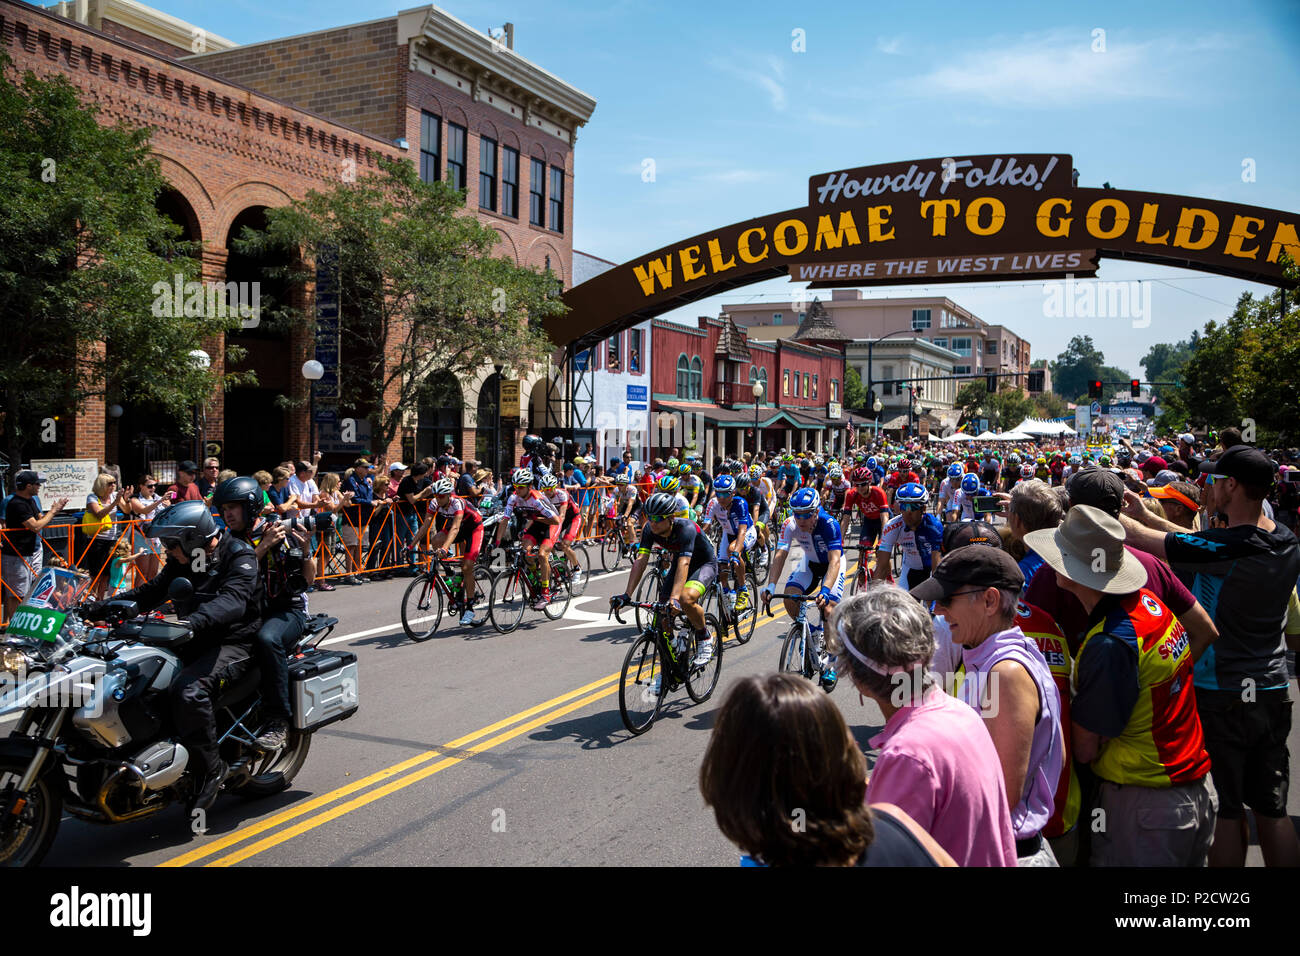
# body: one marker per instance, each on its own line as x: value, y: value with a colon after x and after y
x: 477, y: 748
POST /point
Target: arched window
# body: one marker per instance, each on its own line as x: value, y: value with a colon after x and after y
x: 697, y: 379
x: 753, y: 374
x: 683, y: 377
x: 762, y: 377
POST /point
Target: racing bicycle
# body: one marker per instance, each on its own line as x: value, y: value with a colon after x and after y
x: 804, y: 644
x: 660, y: 661
x: 437, y: 586
x: 518, y: 587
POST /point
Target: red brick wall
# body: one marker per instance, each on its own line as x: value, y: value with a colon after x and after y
x: 142, y: 39
x: 351, y: 75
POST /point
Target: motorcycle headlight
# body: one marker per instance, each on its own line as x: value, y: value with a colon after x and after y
x: 12, y: 659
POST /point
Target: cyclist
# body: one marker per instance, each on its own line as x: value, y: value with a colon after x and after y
x: 457, y: 523
x: 669, y: 485
x: 1041, y: 471
x: 948, y: 487
x: 788, y: 474
x: 540, y: 526
x: 919, y: 535
x: 962, y: 506
x: 691, y: 486
x: 570, y: 517
x: 732, y: 515
x: 822, y: 565
x: 757, y: 505
x: 836, y: 487
x: 903, y: 476
x: 877, y: 469
x: 696, y: 567
x: 764, y: 485
x: 869, y: 500
x: 627, y: 506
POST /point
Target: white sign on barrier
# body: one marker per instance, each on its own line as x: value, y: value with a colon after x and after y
x: 70, y: 478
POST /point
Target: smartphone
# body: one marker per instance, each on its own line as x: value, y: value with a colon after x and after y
x: 987, y: 504
x: 1292, y: 476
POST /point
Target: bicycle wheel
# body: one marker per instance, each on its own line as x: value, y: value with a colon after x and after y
x: 794, y: 657
x: 483, y: 581
x: 610, y: 552
x: 578, y: 579
x: 509, y: 598
x: 702, y: 680
x: 746, y: 620
x: 638, y: 700
x: 421, y: 608
x: 897, y: 562
x: 561, y: 585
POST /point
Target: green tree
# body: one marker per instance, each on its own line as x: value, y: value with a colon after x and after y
x: 1049, y: 405
x: 420, y: 292
x: 82, y: 251
x: 1080, y: 363
x: 1165, y: 362
x: 855, y: 393
x: 970, y: 398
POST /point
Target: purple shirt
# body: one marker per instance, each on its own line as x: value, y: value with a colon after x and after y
x: 1037, y: 798
x: 937, y: 762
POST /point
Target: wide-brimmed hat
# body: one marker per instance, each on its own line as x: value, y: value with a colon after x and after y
x: 1088, y: 548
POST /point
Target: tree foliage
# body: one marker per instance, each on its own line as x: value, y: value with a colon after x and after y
x: 1079, y: 364
x: 82, y: 246
x: 416, y: 278
x: 855, y: 393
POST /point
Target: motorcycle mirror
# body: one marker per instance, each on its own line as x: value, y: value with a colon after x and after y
x: 180, y: 588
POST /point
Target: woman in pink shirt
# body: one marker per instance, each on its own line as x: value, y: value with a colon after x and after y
x: 937, y: 761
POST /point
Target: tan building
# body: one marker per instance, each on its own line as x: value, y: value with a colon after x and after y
x: 902, y: 359
x: 982, y: 348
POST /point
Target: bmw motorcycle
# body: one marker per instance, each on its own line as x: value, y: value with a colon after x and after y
x: 93, y: 702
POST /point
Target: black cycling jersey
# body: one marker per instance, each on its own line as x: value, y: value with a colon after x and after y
x: 757, y: 504
x: 684, y: 538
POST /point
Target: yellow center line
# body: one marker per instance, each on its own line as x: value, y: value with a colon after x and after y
x: 245, y: 833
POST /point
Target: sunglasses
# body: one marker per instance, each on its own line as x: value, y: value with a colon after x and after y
x: 945, y: 601
x: 170, y: 543
x: 913, y: 506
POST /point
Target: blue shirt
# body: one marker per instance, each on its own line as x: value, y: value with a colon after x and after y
x: 362, y: 490
x: 734, y: 518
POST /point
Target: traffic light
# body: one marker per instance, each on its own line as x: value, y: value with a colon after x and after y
x: 1094, y: 389
x: 1135, y: 388
x: 991, y: 383
x: 1037, y: 378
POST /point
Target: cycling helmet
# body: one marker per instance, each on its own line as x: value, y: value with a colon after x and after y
x: 805, y: 501
x: 672, y: 464
x: 661, y: 505
x: 546, y: 483
x: 724, y: 485
x: 905, y: 465
x: 912, y: 493
x: 521, y: 477
x: 1026, y: 471
x: 1041, y: 460
x: 834, y: 472
x: 755, y: 471
x: 1076, y: 460
x: 787, y: 459
x: 742, y: 481
x: 188, y: 523
x: 862, y: 476
x: 954, y: 470
x: 622, y: 479
x: 872, y: 463
x: 1105, y: 461
x: 969, y: 484
x: 683, y: 469
x: 1013, y: 459
x: 668, y: 484
x: 443, y: 486
x: 243, y: 490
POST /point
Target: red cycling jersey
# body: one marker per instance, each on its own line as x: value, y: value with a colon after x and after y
x: 871, y: 504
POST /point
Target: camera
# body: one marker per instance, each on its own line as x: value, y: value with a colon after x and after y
x: 312, y: 523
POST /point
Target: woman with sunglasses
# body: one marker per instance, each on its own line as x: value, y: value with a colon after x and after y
x: 146, y: 503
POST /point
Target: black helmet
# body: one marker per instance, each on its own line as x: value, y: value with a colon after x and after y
x: 242, y: 490
x: 189, y: 523
x: 531, y: 442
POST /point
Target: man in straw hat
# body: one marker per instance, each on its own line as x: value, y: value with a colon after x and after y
x: 1134, y: 708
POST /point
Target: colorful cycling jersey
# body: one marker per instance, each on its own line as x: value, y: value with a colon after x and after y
x: 683, y: 507
x: 838, y: 489
x: 469, y: 520
x: 682, y: 539
x: 625, y: 493
x: 732, y: 519
x: 532, y: 507
x: 898, y: 479
x: 768, y: 490
x: 561, y: 500
x: 818, y: 543
x: 918, y: 546
x: 870, y: 504
x: 691, y: 484
x: 964, y: 505
x: 948, y: 488
x: 789, y: 475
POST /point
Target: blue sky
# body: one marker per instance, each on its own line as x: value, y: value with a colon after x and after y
x: 736, y: 120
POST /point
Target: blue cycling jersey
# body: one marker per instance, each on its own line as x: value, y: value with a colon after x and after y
x: 818, y: 543
x: 789, y: 474
x: 733, y: 519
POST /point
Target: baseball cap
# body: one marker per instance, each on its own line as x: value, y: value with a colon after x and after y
x: 958, y: 534
x: 974, y: 566
x: 1098, y: 488
x: 361, y: 463
x: 189, y: 466
x: 1187, y: 438
x: 1243, y: 462
x: 397, y: 466
x: 1155, y: 462
x: 28, y: 478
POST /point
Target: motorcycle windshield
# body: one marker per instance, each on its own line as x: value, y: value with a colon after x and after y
x: 40, y: 622
x: 56, y: 588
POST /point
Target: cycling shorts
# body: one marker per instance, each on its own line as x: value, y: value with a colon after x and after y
x: 537, y: 533
x: 697, y: 581
x: 570, y: 524
x: 808, y: 577
x: 914, y: 576
x: 751, y: 538
x: 869, y: 531
x: 472, y: 541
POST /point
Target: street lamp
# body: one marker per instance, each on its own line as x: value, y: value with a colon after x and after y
x: 496, y: 427
x: 200, y: 360
x: 758, y: 397
x: 878, y: 406
x: 313, y: 372
x: 871, y: 344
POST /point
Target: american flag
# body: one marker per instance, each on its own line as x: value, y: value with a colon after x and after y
x: 852, y: 441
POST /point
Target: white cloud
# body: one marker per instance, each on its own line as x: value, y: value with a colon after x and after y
x: 893, y: 46
x: 1058, y: 70
x: 772, y: 86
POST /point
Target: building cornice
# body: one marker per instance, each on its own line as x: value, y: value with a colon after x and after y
x: 150, y: 22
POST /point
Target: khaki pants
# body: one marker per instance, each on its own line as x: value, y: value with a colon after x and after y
x: 1155, y: 826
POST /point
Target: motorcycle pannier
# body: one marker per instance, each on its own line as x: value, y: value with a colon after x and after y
x: 323, y: 687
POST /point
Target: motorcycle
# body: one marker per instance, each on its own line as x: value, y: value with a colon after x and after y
x: 94, y: 734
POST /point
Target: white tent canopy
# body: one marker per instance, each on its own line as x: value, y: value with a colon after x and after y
x: 1015, y: 436
x: 1036, y: 427
x: 988, y: 436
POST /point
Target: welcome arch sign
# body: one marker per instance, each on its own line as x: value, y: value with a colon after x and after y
x: 954, y: 219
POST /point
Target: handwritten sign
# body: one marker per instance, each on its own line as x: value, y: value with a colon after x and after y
x: 70, y: 478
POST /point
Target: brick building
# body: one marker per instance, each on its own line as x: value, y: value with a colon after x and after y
x: 239, y: 129
x: 702, y: 390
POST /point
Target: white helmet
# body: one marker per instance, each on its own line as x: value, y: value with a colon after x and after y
x: 443, y: 486
x: 521, y: 476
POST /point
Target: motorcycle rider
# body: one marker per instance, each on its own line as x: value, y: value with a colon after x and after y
x: 224, y: 612
x: 286, y: 572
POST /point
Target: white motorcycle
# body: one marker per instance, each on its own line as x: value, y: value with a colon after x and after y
x: 94, y: 734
